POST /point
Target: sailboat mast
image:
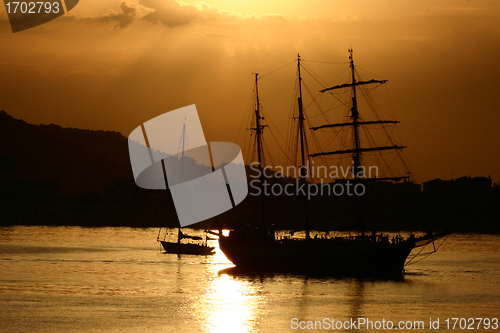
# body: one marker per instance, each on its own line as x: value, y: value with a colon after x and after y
x: 179, y: 232
x: 258, y: 131
x: 355, y: 121
x: 303, y: 169
x: 183, y: 141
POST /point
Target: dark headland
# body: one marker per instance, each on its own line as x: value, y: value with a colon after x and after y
x: 51, y: 175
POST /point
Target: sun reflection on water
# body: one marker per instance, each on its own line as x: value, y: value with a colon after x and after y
x: 230, y: 305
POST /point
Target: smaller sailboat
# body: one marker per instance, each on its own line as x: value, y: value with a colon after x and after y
x: 199, y: 247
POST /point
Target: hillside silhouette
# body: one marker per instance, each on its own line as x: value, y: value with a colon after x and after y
x: 78, y: 160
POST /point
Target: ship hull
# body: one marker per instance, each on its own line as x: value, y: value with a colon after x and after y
x: 324, y: 257
x: 195, y: 249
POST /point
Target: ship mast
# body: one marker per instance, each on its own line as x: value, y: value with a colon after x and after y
x: 303, y: 170
x: 355, y: 118
x: 258, y: 127
x: 357, y: 154
x: 355, y: 123
x: 258, y: 132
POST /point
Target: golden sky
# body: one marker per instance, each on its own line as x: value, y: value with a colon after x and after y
x: 112, y: 65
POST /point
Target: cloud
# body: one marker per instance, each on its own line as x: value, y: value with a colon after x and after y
x: 168, y: 13
x: 172, y: 14
x: 123, y: 19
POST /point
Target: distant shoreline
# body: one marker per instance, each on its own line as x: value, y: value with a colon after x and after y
x: 4, y: 225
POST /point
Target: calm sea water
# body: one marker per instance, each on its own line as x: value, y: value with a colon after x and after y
x: 72, y: 279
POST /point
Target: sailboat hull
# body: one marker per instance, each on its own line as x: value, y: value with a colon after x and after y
x: 196, y: 249
x: 319, y: 256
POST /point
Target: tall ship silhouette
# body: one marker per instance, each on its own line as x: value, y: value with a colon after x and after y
x: 361, y: 253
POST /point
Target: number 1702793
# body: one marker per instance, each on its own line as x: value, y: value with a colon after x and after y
x: 38, y: 7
